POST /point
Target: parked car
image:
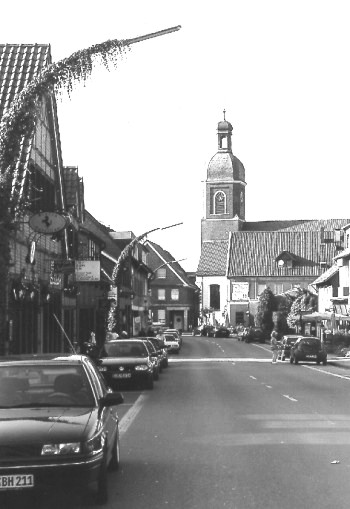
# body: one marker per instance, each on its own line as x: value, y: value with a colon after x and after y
x: 155, y: 358
x: 287, y: 342
x: 176, y: 332
x: 308, y: 348
x: 221, y: 332
x: 161, y: 350
x: 127, y: 361
x: 171, y: 343
x: 253, y: 334
x: 54, y: 429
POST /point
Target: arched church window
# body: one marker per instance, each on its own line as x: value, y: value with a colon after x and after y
x: 220, y: 203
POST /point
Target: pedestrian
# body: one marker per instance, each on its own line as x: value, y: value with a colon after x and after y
x: 274, y: 346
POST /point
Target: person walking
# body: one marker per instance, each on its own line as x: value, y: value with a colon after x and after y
x: 274, y: 346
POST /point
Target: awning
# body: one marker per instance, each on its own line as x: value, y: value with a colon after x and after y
x: 319, y: 317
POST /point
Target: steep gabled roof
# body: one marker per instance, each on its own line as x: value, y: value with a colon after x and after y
x: 296, y: 225
x: 174, y: 265
x: 327, y: 275
x: 20, y: 64
x: 213, y: 259
x: 255, y: 253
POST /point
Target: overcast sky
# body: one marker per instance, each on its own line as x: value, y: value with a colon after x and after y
x: 142, y: 135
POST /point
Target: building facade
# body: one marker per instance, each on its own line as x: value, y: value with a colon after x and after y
x: 174, y: 295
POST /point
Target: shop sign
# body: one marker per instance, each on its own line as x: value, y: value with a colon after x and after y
x: 113, y: 294
x: 47, y: 222
x: 87, y: 270
x: 239, y: 291
x: 63, y: 266
x: 55, y: 277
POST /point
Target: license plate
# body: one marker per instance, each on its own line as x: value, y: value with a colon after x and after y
x: 121, y: 375
x: 311, y: 356
x: 102, y: 368
x: 15, y: 482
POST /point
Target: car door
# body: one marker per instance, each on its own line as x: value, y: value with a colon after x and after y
x: 108, y: 421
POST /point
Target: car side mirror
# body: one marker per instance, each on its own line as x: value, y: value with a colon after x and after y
x: 111, y: 399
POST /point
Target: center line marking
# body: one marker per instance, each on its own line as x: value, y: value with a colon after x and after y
x: 289, y: 397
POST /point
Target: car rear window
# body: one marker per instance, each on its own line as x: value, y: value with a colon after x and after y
x: 169, y: 337
x: 121, y: 349
x: 311, y: 341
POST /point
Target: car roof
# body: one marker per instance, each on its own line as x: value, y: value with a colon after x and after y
x: 131, y: 340
x: 51, y: 358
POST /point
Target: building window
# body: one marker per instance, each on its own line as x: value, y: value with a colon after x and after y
x: 261, y: 288
x: 161, y: 315
x: 161, y: 293
x: 239, y: 318
x: 161, y: 273
x: 215, y: 296
x: 175, y: 294
x: 278, y: 289
x: 220, y: 203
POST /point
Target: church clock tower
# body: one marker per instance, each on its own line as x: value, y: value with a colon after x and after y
x: 224, y: 189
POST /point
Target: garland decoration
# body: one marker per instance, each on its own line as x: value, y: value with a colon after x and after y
x: 18, y: 124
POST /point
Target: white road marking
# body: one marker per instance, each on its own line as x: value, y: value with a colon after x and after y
x: 289, y: 397
x: 252, y: 377
x: 321, y: 370
x: 219, y: 359
x: 131, y: 414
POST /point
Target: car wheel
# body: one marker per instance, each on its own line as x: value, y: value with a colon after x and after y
x: 156, y: 375
x: 115, y: 459
x: 102, y: 485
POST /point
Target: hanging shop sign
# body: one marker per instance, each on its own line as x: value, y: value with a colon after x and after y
x: 87, y: 270
x: 47, y: 222
x: 113, y: 293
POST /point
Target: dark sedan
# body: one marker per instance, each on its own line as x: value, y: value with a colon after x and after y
x: 127, y: 361
x: 221, y: 332
x: 58, y: 424
x: 308, y: 348
x: 253, y: 334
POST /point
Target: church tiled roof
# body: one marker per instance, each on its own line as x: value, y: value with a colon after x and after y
x: 255, y: 253
x: 296, y: 225
x: 213, y: 260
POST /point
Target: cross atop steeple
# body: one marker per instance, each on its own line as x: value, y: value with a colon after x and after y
x: 224, y: 114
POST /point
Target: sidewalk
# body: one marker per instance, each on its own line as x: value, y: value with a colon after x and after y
x: 343, y: 362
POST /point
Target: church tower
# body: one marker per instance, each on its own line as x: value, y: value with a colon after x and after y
x: 224, y: 189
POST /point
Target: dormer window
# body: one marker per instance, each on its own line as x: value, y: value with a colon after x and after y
x: 286, y: 260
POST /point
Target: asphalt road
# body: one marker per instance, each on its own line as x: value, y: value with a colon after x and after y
x: 224, y: 428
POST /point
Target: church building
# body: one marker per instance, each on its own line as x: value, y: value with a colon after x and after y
x: 240, y: 258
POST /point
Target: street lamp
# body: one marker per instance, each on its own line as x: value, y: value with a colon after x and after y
x: 113, y: 316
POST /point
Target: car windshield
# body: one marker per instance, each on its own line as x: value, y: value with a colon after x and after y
x: 126, y: 349
x: 44, y: 385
